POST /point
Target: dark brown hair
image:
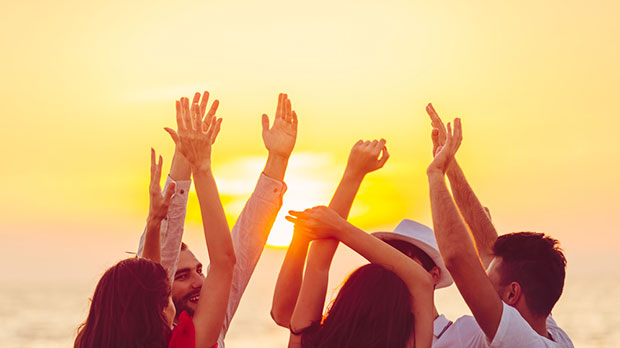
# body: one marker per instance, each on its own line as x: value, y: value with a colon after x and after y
x: 127, y: 308
x: 537, y: 263
x: 372, y: 309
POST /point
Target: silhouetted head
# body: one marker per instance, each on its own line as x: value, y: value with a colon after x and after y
x: 531, y: 267
x: 372, y: 309
x: 131, y: 307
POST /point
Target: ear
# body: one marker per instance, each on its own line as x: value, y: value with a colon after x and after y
x: 512, y: 294
x: 435, y: 272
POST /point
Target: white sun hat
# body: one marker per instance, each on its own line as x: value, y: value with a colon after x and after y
x: 422, y: 237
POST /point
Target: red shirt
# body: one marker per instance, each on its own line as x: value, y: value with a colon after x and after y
x: 184, y: 334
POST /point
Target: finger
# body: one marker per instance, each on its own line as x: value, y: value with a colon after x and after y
x: 436, y: 121
x: 212, y: 111
x: 196, y: 99
x: 158, y: 171
x: 216, y: 131
x: 296, y: 214
x: 203, y: 103
x: 458, y: 129
x: 265, y: 122
x: 287, y: 115
x: 291, y: 219
x: 280, y: 106
x: 196, y: 120
x: 435, y: 138
x: 359, y: 142
x: 173, y: 135
x: 177, y: 105
x: 152, y: 164
x: 384, y: 157
x: 294, y: 120
x: 185, y: 113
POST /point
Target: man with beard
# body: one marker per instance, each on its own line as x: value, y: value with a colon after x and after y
x: 250, y: 232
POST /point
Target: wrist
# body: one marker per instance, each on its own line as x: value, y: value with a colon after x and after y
x: 275, y: 167
x: 434, y: 172
x: 353, y: 175
x: 153, y: 220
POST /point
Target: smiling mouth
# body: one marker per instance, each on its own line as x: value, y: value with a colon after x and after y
x: 194, y: 299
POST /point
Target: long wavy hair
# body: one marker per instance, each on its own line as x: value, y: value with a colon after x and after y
x: 127, y: 308
x: 372, y: 309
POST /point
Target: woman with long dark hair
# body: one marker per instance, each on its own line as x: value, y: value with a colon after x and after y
x: 132, y: 306
x: 387, y: 303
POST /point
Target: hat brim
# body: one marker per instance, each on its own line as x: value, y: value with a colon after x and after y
x: 445, y: 278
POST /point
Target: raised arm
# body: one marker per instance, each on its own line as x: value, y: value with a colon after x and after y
x: 171, y: 230
x: 365, y: 157
x: 194, y: 141
x: 323, y: 222
x: 475, y: 214
x: 455, y: 244
x: 158, y: 208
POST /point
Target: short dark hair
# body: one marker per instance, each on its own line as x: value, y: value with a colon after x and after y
x: 537, y: 263
x: 413, y: 252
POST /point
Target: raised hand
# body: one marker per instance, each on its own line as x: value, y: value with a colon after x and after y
x: 439, y: 133
x: 280, y: 138
x: 364, y: 157
x: 317, y: 223
x: 159, y: 203
x: 445, y: 154
x: 196, y: 132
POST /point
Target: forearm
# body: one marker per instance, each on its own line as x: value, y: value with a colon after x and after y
x: 275, y: 167
x: 217, y: 235
x: 461, y: 259
x: 473, y: 212
x: 181, y: 169
x: 322, y: 251
x: 379, y: 252
x: 452, y: 237
x: 320, y: 256
x: 152, y: 250
x: 289, y: 281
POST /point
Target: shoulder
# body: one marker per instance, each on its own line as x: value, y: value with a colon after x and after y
x: 464, y: 332
x: 559, y: 336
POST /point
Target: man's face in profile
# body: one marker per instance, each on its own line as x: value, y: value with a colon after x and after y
x: 187, y: 283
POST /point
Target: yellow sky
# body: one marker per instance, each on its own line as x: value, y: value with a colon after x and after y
x: 87, y: 87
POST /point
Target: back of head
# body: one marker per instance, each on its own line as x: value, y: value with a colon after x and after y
x: 537, y: 263
x: 127, y: 308
x: 372, y: 309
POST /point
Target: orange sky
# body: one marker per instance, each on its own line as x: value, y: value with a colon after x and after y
x: 87, y: 87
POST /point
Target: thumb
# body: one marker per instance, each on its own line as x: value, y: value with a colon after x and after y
x: 169, y: 192
x: 173, y: 135
x: 265, y: 122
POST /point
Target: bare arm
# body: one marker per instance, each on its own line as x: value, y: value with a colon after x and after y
x: 194, y: 141
x: 158, y: 208
x: 363, y: 159
x: 475, y: 214
x: 323, y: 222
x: 455, y: 244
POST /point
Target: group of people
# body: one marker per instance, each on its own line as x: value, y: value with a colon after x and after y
x: 163, y: 298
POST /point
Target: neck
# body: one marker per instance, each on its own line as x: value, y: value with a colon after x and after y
x: 435, y: 313
x: 538, y: 323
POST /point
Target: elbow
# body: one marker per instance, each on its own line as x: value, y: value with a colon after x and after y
x: 280, y: 318
x: 225, y: 261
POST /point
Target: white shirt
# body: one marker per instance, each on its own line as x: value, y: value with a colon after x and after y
x: 249, y: 236
x: 513, y: 331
